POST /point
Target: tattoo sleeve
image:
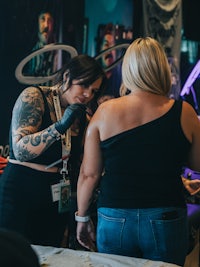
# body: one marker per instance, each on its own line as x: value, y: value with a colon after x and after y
x: 28, y: 141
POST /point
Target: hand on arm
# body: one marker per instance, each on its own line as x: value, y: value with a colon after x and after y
x: 71, y: 113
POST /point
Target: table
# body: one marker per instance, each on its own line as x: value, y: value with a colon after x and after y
x: 62, y: 257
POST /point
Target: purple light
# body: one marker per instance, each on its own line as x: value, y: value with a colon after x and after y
x: 191, y: 79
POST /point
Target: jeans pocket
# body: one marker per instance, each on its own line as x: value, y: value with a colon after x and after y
x: 170, y: 238
x: 109, y: 232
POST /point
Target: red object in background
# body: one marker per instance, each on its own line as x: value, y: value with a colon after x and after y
x: 3, y: 163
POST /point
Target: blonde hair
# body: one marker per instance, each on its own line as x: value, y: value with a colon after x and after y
x: 145, y: 67
x: 122, y: 90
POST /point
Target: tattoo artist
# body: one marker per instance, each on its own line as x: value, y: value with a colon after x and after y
x: 46, y: 138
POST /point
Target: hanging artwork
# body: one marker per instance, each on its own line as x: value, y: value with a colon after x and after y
x: 163, y: 21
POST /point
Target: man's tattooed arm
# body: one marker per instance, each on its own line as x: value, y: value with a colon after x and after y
x: 28, y: 142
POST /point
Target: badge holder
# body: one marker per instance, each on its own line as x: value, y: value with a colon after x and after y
x: 65, y: 190
x: 64, y: 185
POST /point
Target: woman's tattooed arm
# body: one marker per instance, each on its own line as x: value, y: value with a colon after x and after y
x: 28, y: 141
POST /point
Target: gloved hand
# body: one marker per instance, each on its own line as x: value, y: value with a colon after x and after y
x: 71, y: 113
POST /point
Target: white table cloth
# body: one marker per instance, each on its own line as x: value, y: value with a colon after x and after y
x: 60, y: 257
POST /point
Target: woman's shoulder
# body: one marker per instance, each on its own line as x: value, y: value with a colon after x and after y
x: 108, y: 111
x: 31, y: 90
x: 32, y: 96
x: 37, y: 91
x: 188, y: 110
x: 189, y: 120
x: 111, y: 103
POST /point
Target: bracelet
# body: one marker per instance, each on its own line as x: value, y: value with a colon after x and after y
x: 81, y: 218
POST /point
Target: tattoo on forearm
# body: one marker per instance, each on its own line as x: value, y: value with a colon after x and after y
x: 25, y: 155
x: 28, y: 140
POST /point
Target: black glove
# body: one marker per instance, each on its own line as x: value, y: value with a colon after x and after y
x: 71, y: 113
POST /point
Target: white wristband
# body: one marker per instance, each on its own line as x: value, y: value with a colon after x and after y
x: 81, y: 218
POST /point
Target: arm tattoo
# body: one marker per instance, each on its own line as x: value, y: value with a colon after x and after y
x: 28, y: 141
x: 28, y: 110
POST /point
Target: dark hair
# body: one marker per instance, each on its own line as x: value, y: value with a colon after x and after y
x: 109, y: 29
x: 15, y: 250
x: 44, y: 11
x: 84, y: 68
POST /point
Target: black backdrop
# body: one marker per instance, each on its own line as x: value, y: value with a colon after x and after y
x: 191, y: 13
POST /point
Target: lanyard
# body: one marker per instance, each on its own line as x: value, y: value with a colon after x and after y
x: 65, y: 138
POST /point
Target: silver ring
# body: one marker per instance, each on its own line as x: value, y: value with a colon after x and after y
x: 38, y: 80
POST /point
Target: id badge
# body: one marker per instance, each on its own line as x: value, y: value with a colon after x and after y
x: 64, y: 199
x: 55, y: 190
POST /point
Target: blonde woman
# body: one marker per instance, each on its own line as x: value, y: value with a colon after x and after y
x: 142, y: 140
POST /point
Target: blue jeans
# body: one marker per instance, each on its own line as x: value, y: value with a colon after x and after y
x: 151, y: 233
